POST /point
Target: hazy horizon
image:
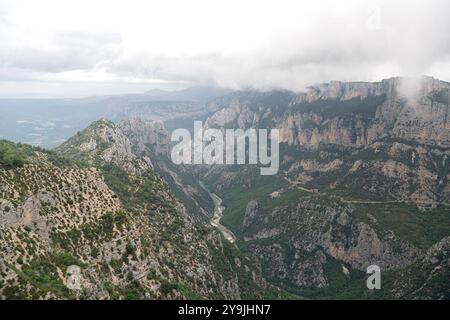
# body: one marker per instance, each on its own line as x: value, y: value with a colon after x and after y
x: 173, y: 89
x: 50, y: 49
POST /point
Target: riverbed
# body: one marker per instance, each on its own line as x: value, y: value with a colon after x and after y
x: 218, y: 214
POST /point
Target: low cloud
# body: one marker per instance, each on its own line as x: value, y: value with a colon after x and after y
x: 261, y: 44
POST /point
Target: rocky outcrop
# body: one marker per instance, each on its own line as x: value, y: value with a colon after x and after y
x: 305, y: 270
x: 318, y: 231
x: 345, y: 90
x: 348, y: 113
x: 49, y: 198
x: 145, y: 135
x: 426, y: 277
x: 250, y: 213
x: 104, y: 142
x: 139, y: 145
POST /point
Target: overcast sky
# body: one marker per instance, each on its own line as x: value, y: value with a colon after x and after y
x: 65, y: 48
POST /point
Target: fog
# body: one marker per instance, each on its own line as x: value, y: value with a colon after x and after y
x: 78, y: 48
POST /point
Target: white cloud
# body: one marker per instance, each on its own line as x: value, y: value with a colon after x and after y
x: 262, y: 44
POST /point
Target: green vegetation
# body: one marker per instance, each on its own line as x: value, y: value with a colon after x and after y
x: 201, y: 197
x: 235, y: 199
x: 146, y: 200
x: 100, y: 230
x: 13, y: 155
x: 341, y: 286
x: 352, y: 286
x: 134, y: 192
x: 224, y: 261
x: 421, y: 228
x: 134, y: 291
x: 42, y: 275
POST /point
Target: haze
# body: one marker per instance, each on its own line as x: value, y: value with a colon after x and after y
x: 81, y: 48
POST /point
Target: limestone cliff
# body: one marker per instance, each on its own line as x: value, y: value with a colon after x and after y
x: 347, y: 113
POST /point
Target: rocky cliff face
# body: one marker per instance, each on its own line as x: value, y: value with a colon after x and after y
x: 425, y: 279
x: 139, y: 145
x: 351, y: 114
x: 146, y: 136
x: 322, y: 229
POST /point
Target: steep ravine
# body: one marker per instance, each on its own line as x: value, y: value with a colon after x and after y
x: 218, y: 213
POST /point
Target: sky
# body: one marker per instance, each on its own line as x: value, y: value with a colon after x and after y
x: 74, y: 48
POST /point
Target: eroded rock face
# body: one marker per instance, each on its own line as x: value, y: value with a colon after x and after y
x: 250, y: 213
x: 311, y: 229
x: 304, y: 270
x: 104, y: 142
x: 364, y: 247
x: 350, y: 114
x: 144, y: 134
x: 421, y: 115
x: 137, y: 145
x: 428, y: 275
x: 49, y: 197
x: 38, y: 201
x: 346, y: 90
x: 119, y: 149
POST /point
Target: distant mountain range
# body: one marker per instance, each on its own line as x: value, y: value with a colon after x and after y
x: 49, y: 122
x: 193, y: 94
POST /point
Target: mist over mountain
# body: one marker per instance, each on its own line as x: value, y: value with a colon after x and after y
x: 194, y: 94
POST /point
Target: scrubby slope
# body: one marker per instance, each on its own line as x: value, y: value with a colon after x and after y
x: 113, y: 217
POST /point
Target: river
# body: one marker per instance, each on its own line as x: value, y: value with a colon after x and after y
x: 218, y: 214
